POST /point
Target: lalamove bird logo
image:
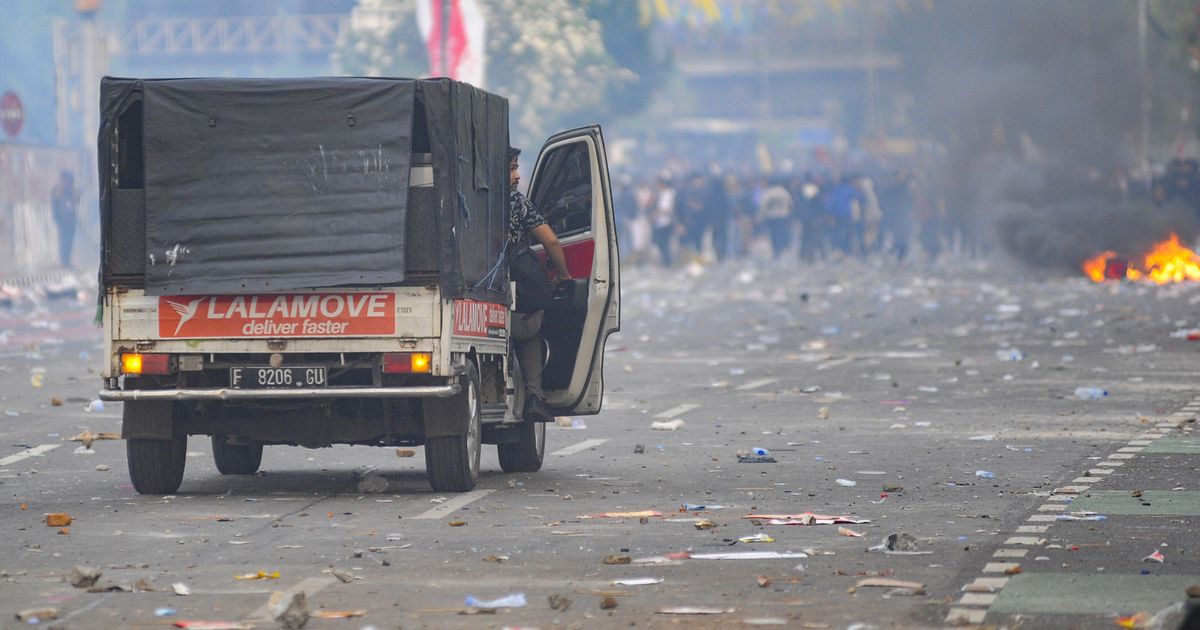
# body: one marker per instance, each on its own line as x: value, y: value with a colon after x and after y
x: 186, y: 311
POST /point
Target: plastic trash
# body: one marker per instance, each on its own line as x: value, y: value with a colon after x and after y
x: 1090, y: 393
x: 96, y: 406
x: 985, y: 474
x: 164, y: 612
x: 1010, y: 354
x: 744, y: 457
x: 698, y: 507
x: 760, y: 451
x: 516, y: 600
x: 846, y: 483
x: 670, y: 425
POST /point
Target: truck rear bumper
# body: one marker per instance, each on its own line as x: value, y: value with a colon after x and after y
x: 224, y: 393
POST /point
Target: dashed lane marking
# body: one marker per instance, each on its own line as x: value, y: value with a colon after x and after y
x: 980, y: 596
x: 453, y: 505
x: 27, y: 453
x: 575, y: 448
x: 675, y: 411
x: 756, y: 384
x: 966, y: 615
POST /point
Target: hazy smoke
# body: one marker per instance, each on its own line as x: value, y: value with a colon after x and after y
x: 1039, y: 104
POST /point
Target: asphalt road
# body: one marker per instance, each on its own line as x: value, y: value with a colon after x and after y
x: 862, y: 373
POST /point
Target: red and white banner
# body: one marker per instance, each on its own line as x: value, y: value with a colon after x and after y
x: 456, y: 27
x: 480, y: 319
x: 277, y: 315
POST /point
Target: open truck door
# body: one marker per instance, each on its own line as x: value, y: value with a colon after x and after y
x: 570, y: 187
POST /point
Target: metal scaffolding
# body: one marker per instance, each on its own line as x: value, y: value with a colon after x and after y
x: 226, y: 35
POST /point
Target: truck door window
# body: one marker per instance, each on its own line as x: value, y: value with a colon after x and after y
x: 564, y: 190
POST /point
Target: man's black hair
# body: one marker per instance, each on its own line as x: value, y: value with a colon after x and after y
x: 513, y: 153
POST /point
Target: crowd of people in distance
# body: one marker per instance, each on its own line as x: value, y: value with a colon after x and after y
x: 806, y: 216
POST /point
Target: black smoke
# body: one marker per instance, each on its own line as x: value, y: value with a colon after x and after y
x: 1038, y: 104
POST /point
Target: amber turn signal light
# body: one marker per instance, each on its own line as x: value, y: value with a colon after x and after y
x: 137, y: 363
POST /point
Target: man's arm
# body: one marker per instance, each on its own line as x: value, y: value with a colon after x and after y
x: 545, y: 235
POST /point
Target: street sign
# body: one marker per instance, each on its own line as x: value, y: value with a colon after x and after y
x: 12, y: 113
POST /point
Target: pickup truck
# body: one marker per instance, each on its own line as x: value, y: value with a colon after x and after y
x: 312, y: 262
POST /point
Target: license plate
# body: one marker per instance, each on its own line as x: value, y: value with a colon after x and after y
x: 276, y: 377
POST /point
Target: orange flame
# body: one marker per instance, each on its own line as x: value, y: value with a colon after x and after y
x: 1168, y: 261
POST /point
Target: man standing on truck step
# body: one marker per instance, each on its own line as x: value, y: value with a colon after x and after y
x: 524, y: 223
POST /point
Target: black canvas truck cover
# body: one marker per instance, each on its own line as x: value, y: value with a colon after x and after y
x: 250, y: 185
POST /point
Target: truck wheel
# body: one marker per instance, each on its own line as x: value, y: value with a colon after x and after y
x: 526, y: 454
x: 156, y: 466
x: 236, y: 459
x: 453, y: 461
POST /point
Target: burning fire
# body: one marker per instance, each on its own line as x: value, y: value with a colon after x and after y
x: 1168, y: 261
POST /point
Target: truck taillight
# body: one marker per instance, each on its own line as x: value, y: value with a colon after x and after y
x: 137, y: 363
x: 407, y: 363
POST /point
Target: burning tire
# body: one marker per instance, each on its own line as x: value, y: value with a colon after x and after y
x: 236, y: 459
x: 453, y: 461
x: 527, y: 453
x: 156, y: 466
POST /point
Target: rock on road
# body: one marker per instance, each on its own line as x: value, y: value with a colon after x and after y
x: 938, y: 403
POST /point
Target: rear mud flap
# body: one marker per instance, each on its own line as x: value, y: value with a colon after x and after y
x: 148, y: 420
x: 445, y: 417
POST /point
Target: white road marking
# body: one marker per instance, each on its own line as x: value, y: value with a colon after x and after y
x: 29, y: 452
x: 756, y: 384
x: 834, y: 363
x: 575, y: 448
x: 977, y: 599
x: 1032, y: 529
x: 999, y: 567
x: 966, y: 615
x: 1010, y: 553
x: 453, y: 505
x: 675, y: 411
x: 310, y: 586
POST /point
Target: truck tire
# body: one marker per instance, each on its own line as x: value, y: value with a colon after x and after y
x: 453, y: 461
x: 236, y: 459
x: 527, y: 453
x: 156, y: 466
